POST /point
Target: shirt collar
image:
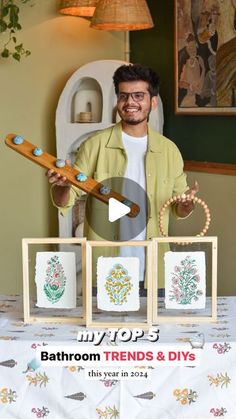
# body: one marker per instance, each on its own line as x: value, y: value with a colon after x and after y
x: 115, y: 139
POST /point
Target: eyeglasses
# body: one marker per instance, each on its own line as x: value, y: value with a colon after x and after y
x: 136, y: 96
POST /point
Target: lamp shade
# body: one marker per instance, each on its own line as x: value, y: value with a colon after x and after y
x: 78, y: 7
x: 122, y: 15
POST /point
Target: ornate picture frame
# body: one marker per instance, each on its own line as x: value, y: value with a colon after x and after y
x: 205, y: 57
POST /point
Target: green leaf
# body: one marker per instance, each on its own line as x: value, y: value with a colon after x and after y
x: 19, y: 47
x: 5, y: 11
x: 3, y: 25
x: 14, y: 39
x: 16, y: 56
x: 5, y: 53
x: 27, y: 53
x: 14, y: 15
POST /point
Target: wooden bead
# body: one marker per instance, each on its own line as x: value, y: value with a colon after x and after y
x: 180, y: 198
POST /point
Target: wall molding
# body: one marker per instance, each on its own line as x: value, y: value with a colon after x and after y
x: 207, y: 167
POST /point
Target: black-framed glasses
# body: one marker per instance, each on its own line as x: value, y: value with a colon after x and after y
x: 136, y: 96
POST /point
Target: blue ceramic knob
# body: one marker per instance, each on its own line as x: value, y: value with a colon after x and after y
x: 17, y: 140
x: 81, y: 177
x: 37, y: 151
x: 127, y: 202
x: 60, y: 163
x: 104, y: 190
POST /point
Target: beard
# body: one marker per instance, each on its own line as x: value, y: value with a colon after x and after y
x: 131, y: 120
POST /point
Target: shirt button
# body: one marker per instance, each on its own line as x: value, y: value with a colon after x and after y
x: 149, y: 174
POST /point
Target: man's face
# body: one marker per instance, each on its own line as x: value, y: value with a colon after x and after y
x: 136, y: 109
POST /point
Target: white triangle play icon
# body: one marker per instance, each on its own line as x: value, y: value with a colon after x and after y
x: 116, y: 210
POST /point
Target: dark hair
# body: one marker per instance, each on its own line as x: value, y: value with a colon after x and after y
x: 190, y: 38
x: 135, y: 72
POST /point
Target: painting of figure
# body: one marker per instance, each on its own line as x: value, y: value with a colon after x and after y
x: 205, y: 56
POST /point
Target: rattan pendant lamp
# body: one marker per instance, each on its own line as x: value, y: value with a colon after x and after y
x: 122, y: 15
x: 78, y: 7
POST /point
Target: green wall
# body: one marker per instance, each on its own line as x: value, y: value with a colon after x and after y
x: 200, y: 138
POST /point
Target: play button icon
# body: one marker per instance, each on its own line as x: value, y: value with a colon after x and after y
x: 116, y: 210
x: 114, y: 222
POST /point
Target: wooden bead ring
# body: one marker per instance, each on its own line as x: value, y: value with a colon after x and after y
x: 175, y: 199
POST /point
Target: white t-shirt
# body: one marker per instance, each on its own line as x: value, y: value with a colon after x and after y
x: 135, y: 148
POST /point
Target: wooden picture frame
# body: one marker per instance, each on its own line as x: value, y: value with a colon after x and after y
x: 205, y: 57
x: 90, y: 322
x: 72, y: 242
x: 187, y: 316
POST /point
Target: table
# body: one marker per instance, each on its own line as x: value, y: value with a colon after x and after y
x: 30, y: 391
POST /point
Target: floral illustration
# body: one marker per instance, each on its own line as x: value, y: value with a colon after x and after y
x: 185, y: 396
x: 220, y: 379
x: 38, y: 379
x: 7, y: 395
x: 74, y: 368
x: 40, y: 413
x: 185, y: 280
x: 222, y: 348
x: 218, y: 412
x: 118, y: 284
x: 55, y: 282
x: 108, y: 413
x: 109, y: 383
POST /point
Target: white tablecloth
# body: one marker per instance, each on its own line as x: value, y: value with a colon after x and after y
x: 30, y: 391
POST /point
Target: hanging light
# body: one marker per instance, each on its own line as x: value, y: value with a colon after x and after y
x: 78, y: 7
x: 122, y: 15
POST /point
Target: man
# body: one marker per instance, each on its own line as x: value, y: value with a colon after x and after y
x: 133, y: 150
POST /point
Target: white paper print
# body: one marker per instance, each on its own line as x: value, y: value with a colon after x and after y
x: 185, y: 280
x: 118, y: 283
x: 55, y: 277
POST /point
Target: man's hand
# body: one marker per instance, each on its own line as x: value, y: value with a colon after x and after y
x: 61, y: 187
x: 57, y: 179
x: 185, y: 204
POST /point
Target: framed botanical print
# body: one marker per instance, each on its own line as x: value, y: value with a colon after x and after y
x: 119, y: 278
x: 187, y: 269
x: 205, y: 57
x: 54, y: 272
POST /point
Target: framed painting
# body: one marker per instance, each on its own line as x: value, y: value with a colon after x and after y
x: 54, y: 272
x: 119, y: 284
x: 187, y: 268
x: 205, y: 57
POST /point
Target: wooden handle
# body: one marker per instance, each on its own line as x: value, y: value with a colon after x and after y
x: 90, y: 185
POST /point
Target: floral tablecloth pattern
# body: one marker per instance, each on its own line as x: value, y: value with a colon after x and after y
x: 29, y: 390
